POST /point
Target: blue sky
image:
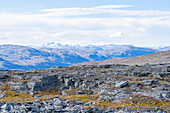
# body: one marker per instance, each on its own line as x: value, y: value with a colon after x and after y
x: 134, y: 22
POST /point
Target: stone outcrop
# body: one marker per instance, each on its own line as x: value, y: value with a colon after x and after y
x: 112, y: 83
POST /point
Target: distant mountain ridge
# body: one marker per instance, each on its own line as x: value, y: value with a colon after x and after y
x: 26, y: 58
x: 155, y: 58
x: 92, y: 47
x: 164, y: 48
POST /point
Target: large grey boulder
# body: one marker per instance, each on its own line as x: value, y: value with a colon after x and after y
x: 47, y: 83
x: 121, y: 84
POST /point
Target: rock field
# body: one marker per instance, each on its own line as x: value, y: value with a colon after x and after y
x: 87, y: 89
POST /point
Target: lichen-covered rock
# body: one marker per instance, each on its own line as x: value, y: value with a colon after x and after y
x: 114, y: 95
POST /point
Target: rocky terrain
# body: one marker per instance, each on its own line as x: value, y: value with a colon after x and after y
x: 115, y: 88
x: 15, y: 57
x: 156, y: 58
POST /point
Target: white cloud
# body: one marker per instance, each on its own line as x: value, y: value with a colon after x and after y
x: 47, y: 27
x: 85, y: 9
x: 118, y: 35
x: 102, y: 9
x: 3, y: 38
x: 113, y: 6
x: 35, y: 38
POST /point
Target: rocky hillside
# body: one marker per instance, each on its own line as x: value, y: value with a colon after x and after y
x: 15, y: 57
x: 156, y: 58
x: 87, y: 89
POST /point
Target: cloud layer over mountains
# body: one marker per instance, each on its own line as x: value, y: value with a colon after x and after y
x: 87, y: 25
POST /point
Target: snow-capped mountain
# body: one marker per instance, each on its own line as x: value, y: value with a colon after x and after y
x: 164, y: 48
x: 56, y: 54
x: 70, y: 46
x: 60, y: 46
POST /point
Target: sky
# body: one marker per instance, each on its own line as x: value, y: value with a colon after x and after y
x: 144, y: 23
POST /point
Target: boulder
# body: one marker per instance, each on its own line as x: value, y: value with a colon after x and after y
x: 47, y: 83
x: 6, y: 107
x: 17, y: 77
x: 2, y: 96
x: 80, y: 92
x: 64, y: 93
x: 150, y: 82
x: 58, y: 108
x: 113, y: 95
x: 121, y: 84
x: 79, y: 102
x: 165, y: 95
x: 49, y: 107
x: 58, y: 102
x: 68, y: 82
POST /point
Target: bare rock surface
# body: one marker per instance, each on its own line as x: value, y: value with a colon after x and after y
x: 87, y: 88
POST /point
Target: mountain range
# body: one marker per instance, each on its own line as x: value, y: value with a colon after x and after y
x: 155, y: 58
x: 17, y: 57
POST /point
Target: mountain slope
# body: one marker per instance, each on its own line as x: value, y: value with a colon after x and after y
x: 156, y: 58
x: 164, y: 48
x: 26, y: 58
x: 98, y: 53
x: 6, y: 65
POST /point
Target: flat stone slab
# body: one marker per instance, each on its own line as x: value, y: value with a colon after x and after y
x: 121, y: 84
